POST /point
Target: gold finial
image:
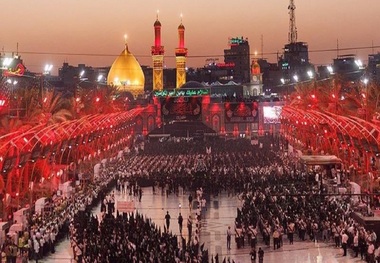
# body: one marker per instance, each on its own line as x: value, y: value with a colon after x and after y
x: 181, y: 15
x: 125, y: 41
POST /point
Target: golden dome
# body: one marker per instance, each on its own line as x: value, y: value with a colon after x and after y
x: 126, y: 74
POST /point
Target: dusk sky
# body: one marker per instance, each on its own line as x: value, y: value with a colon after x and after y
x: 92, y: 31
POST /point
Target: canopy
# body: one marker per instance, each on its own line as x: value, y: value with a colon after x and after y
x: 320, y: 159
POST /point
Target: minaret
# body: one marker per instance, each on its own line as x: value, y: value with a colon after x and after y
x: 158, y: 57
x: 180, y: 56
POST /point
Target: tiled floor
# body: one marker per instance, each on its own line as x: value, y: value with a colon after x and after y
x: 221, y: 212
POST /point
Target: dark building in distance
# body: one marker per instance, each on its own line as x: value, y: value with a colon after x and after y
x: 82, y: 75
x: 295, y: 62
x: 271, y: 76
x: 213, y: 71
x: 239, y: 55
x: 374, y: 67
x: 348, y: 67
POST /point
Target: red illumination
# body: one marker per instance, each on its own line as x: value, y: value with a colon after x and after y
x: 181, y: 36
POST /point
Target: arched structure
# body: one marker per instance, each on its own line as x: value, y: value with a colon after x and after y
x: 348, y: 137
x: 28, y: 157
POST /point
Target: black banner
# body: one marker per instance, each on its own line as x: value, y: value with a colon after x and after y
x: 182, y: 108
x: 241, y: 112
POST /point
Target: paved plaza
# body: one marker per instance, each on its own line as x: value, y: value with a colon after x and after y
x: 220, y: 213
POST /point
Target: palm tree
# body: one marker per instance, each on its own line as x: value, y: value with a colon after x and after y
x: 54, y: 109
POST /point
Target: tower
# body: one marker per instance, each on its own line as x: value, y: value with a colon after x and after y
x: 292, y: 38
x: 180, y: 57
x: 255, y: 87
x: 158, y: 57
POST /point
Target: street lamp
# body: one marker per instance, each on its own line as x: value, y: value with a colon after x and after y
x: 310, y: 74
x: 365, y: 81
x: 100, y: 77
x: 295, y: 77
x: 47, y: 69
x: 282, y: 81
x: 330, y: 69
x: 7, y: 62
x: 359, y: 63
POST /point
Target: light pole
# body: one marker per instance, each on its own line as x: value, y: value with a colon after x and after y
x: 365, y: 95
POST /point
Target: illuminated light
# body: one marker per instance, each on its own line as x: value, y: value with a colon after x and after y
x: 116, y: 80
x: 1, y: 158
x: 299, y: 97
x: 9, y: 81
x: 363, y: 95
x: 48, y: 68
x: 45, y: 100
x: 100, y: 77
x: 15, y: 82
x: 333, y: 95
x: 325, y: 131
x: 81, y: 73
x: 330, y: 69
x: 97, y: 99
x: 365, y: 81
x: 2, y: 103
x: 25, y: 140
x: 282, y: 80
x: 17, y: 194
x: 77, y: 99
x: 295, y: 77
x: 310, y: 74
x: 7, y: 62
x: 342, y: 98
x: 313, y: 96
x: 359, y: 63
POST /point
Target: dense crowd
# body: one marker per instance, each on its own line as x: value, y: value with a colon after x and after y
x: 130, y: 238
x: 278, y: 201
x: 45, y: 229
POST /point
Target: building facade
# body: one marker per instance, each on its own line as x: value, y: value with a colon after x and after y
x: 239, y: 55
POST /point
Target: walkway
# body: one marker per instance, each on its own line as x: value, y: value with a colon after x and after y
x: 220, y: 213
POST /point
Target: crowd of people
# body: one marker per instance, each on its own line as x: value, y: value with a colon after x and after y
x: 44, y: 229
x: 279, y: 202
x: 130, y: 238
